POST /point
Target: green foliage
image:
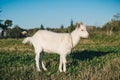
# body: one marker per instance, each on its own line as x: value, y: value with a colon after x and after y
x: 15, y: 32
x: 31, y: 32
x: 71, y: 27
x: 4, y: 27
x: 7, y: 23
x: 113, y: 25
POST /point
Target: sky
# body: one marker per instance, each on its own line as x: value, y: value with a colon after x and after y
x: 54, y: 13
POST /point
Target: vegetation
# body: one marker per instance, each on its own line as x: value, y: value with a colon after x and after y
x: 96, y: 58
x: 109, y: 28
x: 113, y: 25
x: 7, y: 23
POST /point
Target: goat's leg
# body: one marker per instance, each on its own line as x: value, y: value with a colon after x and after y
x: 43, y: 66
x: 64, y: 63
x: 37, y: 62
x: 60, y: 65
x: 41, y: 62
x: 37, y: 51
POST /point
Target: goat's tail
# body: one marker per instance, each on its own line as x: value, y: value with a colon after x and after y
x: 26, y: 40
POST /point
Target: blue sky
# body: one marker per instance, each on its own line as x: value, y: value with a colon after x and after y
x: 54, y: 13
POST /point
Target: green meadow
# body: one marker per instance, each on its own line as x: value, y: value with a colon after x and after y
x: 96, y: 58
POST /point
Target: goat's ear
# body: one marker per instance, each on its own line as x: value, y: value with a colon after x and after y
x: 78, y: 25
x: 81, y: 23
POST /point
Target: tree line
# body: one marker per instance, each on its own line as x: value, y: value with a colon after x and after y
x: 17, y: 32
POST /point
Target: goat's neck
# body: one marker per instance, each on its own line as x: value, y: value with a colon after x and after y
x: 75, y: 37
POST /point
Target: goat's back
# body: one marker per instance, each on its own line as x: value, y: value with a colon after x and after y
x: 52, y: 41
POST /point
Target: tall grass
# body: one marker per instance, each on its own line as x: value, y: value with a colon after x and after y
x: 96, y: 58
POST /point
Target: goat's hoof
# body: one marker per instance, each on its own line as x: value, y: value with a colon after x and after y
x: 38, y: 70
x: 64, y: 70
x: 60, y: 70
x: 45, y: 69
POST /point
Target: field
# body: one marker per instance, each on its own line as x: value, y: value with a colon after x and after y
x: 96, y: 58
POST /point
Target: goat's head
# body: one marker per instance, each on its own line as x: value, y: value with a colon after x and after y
x: 82, y: 31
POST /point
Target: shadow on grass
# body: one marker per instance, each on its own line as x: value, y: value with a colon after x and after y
x: 88, y: 55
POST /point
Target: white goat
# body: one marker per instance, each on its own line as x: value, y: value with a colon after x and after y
x: 61, y: 43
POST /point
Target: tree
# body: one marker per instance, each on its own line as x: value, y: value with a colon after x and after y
x: 71, y: 27
x: 62, y: 29
x: 42, y: 27
x: 16, y: 32
x: 71, y: 23
x: 113, y: 25
x: 7, y: 23
x: 116, y: 17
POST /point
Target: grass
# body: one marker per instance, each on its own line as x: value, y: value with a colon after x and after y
x: 96, y: 58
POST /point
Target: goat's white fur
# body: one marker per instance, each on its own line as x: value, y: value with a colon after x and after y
x: 61, y: 43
